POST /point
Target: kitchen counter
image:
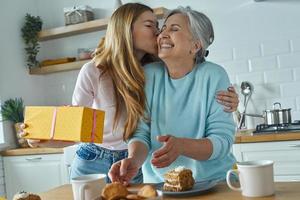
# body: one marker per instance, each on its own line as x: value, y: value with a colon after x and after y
x: 284, y: 191
x: 239, y: 138
x: 269, y: 137
x: 31, y: 151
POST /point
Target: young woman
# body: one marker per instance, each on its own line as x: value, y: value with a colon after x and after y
x: 114, y: 82
x: 186, y: 126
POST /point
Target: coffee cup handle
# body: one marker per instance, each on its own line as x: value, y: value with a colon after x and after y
x: 229, y: 182
x: 82, y: 191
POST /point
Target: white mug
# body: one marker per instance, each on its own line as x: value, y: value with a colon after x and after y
x: 256, y: 178
x: 88, y: 187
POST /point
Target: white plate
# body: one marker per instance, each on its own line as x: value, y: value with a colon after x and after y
x: 198, y: 188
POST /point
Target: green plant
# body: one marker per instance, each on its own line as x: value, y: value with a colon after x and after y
x: 13, y: 110
x: 30, y: 35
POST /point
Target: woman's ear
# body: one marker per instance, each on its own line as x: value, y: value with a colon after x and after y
x: 196, y: 46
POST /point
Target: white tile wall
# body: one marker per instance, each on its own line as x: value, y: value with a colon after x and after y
x: 296, y: 115
x: 263, y: 63
x: 285, y: 103
x: 266, y: 91
x: 289, y: 60
x: 254, y: 78
x: 295, y: 44
x: 290, y: 89
x: 235, y: 67
x: 298, y: 103
x: 246, y: 50
x: 221, y: 54
x: 279, y: 76
x: 272, y: 66
x: 275, y: 47
x: 297, y: 74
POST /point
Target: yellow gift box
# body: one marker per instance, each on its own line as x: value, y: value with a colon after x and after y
x: 78, y: 124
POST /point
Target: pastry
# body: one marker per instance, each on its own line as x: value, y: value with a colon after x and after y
x: 179, y: 179
x: 114, y: 191
x: 26, y: 196
x: 133, y: 197
x: 147, y: 191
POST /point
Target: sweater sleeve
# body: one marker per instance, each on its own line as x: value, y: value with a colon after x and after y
x: 142, y: 134
x: 83, y: 94
x: 220, y: 127
x: 143, y: 130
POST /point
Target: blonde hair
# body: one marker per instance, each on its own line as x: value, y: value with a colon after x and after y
x: 115, y: 56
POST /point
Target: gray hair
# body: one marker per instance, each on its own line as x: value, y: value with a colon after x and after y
x: 200, y: 26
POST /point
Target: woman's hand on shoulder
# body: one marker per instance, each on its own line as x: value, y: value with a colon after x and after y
x: 229, y: 99
x: 168, y: 153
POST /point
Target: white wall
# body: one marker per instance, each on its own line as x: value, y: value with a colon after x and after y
x: 254, y: 41
x: 14, y: 78
x: 258, y: 42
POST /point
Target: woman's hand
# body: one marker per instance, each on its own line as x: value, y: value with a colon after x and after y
x: 229, y: 99
x: 169, y: 152
x: 123, y: 171
x: 31, y: 143
x: 42, y: 143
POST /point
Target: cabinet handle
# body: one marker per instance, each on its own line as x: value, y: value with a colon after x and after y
x: 34, y: 159
x: 294, y: 145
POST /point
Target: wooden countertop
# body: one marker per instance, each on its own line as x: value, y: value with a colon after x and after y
x: 283, y: 191
x: 239, y: 138
x: 269, y: 137
x: 31, y: 151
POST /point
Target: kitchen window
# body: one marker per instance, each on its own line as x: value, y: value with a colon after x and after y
x: 2, y: 142
x: 1, y: 127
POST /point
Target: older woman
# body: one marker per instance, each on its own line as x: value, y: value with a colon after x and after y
x: 185, y: 126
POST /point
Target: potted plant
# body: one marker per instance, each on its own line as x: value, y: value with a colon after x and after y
x: 13, y: 110
x: 30, y: 35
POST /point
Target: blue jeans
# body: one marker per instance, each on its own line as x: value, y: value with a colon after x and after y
x: 92, y: 159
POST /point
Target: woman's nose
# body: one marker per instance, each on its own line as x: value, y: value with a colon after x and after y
x: 164, y: 34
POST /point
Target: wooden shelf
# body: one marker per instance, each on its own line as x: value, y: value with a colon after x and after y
x: 87, y: 27
x: 58, y: 68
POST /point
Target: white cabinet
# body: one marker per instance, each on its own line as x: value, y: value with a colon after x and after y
x: 286, y: 157
x: 33, y: 173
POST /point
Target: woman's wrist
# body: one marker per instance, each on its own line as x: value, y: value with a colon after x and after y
x: 181, y: 142
x: 137, y: 152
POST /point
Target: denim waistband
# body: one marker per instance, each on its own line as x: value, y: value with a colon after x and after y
x: 101, y: 150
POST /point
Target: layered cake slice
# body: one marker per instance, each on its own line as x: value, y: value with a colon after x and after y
x: 179, y: 179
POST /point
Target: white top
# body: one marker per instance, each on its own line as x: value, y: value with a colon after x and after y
x: 95, y: 91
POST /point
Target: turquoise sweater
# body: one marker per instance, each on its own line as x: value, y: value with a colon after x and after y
x: 187, y: 108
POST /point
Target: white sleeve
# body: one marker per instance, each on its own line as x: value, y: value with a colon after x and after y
x: 83, y: 94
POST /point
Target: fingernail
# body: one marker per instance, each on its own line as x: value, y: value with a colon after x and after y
x: 219, y: 101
